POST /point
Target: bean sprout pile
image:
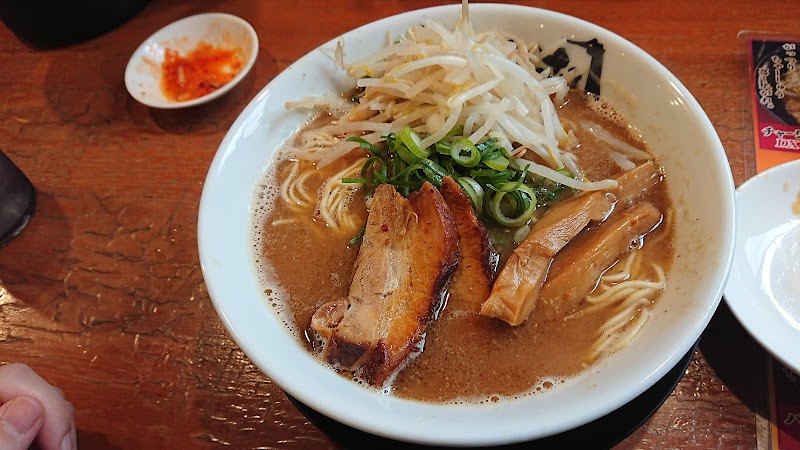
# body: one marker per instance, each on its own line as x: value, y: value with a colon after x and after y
x: 475, y: 106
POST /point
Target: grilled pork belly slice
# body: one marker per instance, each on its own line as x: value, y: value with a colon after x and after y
x: 473, y: 279
x: 329, y: 315
x: 579, y: 265
x: 408, y: 253
x: 517, y: 287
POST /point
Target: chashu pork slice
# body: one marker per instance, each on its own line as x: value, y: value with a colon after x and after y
x: 473, y: 279
x: 633, y: 183
x: 517, y: 287
x: 407, y: 255
x: 579, y: 265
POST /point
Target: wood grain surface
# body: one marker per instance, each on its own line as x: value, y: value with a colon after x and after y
x: 102, y: 293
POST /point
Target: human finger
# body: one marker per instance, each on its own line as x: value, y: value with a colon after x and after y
x: 20, y: 422
x: 57, y: 431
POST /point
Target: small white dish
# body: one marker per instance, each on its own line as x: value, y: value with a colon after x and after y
x: 143, y: 73
x: 763, y: 290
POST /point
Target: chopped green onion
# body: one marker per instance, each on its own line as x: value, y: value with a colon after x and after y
x: 489, y: 176
x: 357, y: 238
x: 465, y: 153
x: 491, y: 154
x: 406, y: 173
x: 404, y: 181
x: 433, y: 171
x: 412, y: 140
x: 487, y: 146
x: 363, y: 143
x: 358, y: 180
x: 391, y: 139
x: 405, y: 154
x: 512, y: 162
x: 496, y: 185
x: 509, y: 187
x: 448, y: 166
x: 398, y: 165
x: 370, y: 163
x: 443, y: 147
x: 499, y: 163
x: 521, y: 203
x: 474, y: 191
x: 456, y: 131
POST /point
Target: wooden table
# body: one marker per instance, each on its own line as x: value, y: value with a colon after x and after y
x: 102, y: 294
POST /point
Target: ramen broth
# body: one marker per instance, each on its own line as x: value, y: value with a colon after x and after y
x: 466, y: 357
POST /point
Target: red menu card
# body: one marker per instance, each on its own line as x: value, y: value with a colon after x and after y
x: 775, y: 98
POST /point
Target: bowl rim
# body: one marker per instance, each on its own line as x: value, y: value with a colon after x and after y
x: 293, y: 385
x: 168, y: 31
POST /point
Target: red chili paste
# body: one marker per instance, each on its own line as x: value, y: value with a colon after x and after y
x: 204, y: 70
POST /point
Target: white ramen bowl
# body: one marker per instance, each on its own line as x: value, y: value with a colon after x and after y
x: 143, y: 73
x: 670, y: 120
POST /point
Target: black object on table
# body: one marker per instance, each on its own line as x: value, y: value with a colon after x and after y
x: 17, y: 200
x: 48, y: 24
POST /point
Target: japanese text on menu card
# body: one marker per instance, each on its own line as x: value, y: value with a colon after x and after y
x: 775, y: 89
